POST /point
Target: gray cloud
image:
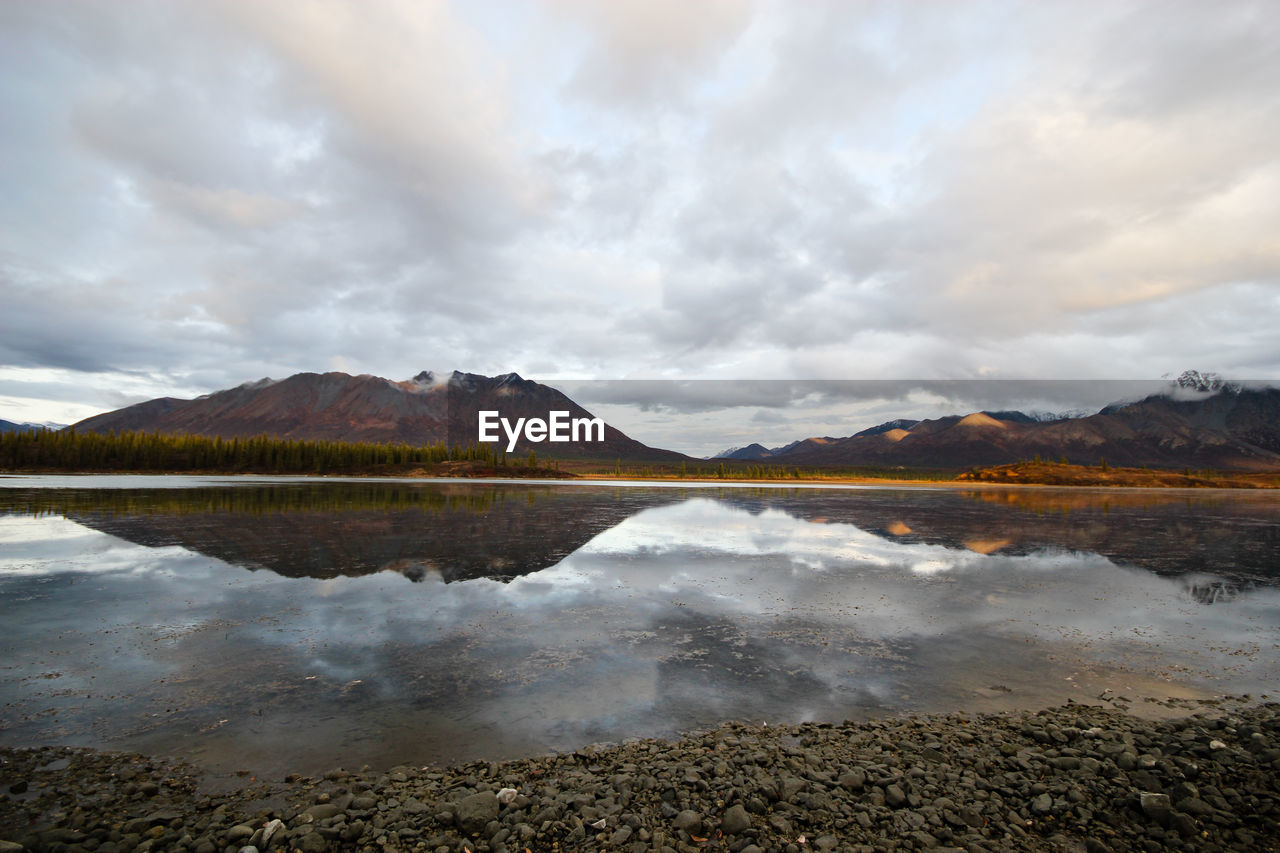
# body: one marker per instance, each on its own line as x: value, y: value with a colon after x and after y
x: 703, y: 417
x: 204, y: 193
x: 643, y: 50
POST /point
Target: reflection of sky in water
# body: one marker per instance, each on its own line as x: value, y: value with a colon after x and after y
x: 681, y: 615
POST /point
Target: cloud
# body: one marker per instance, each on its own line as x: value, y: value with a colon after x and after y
x: 733, y: 189
x: 221, y: 208
x: 642, y: 49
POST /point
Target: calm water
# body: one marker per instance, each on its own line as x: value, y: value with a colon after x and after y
x: 282, y: 625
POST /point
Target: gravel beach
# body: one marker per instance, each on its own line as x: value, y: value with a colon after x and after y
x: 1070, y: 778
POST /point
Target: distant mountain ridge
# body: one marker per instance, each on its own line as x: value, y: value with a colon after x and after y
x: 427, y: 409
x: 752, y: 452
x: 887, y: 426
x: 1198, y: 424
x: 758, y: 452
x: 1199, y: 421
x: 10, y: 426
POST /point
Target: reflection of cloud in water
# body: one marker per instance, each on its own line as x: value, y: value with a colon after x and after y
x: 45, y: 546
x: 712, y: 526
x: 760, y: 572
x: 701, y: 555
x: 680, y: 615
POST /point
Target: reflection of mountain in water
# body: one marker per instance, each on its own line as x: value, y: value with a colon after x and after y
x: 502, y: 531
x: 351, y: 529
x: 1234, y: 535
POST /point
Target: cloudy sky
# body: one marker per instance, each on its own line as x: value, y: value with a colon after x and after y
x: 193, y: 195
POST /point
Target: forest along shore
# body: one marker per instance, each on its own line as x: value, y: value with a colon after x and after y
x: 1069, y: 778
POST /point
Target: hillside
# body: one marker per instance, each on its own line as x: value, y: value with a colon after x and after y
x: 1059, y: 474
x: 1232, y: 428
x: 339, y: 407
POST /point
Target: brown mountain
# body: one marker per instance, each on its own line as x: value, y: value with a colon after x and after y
x: 1234, y: 428
x: 427, y: 409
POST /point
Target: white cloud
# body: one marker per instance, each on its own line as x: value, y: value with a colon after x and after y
x: 221, y: 207
x: 649, y: 49
x: 229, y: 190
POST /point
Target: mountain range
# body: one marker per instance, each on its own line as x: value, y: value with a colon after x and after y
x: 1199, y: 422
x: 427, y: 409
x: 1231, y: 428
x: 10, y: 426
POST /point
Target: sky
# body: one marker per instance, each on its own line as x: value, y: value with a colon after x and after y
x: 198, y: 194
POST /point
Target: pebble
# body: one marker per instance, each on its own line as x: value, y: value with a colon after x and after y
x: 735, y: 820
x: 474, y: 812
x: 1156, y: 806
x: 1071, y: 778
x: 238, y: 833
x: 689, y: 821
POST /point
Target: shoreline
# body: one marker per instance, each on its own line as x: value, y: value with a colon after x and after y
x: 611, y: 479
x: 1068, y: 777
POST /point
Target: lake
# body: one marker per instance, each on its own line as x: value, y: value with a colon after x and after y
x: 299, y: 624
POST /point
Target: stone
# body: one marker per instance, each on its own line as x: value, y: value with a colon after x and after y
x: 788, y: 787
x: 1156, y: 807
x: 894, y: 797
x: 1195, y: 806
x: 1184, y: 825
x: 239, y: 832
x: 924, y: 840
x: 735, y: 820
x: 853, y: 780
x: 323, y: 811
x: 312, y: 842
x: 270, y: 830
x: 473, y: 812
x: 689, y: 821
x: 137, y: 826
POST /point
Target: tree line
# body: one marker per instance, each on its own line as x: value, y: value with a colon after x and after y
x: 68, y: 450
x: 271, y: 497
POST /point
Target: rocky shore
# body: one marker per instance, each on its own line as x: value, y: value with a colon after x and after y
x: 1072, y: 778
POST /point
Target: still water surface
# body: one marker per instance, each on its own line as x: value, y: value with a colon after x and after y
x: 296, y: 625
